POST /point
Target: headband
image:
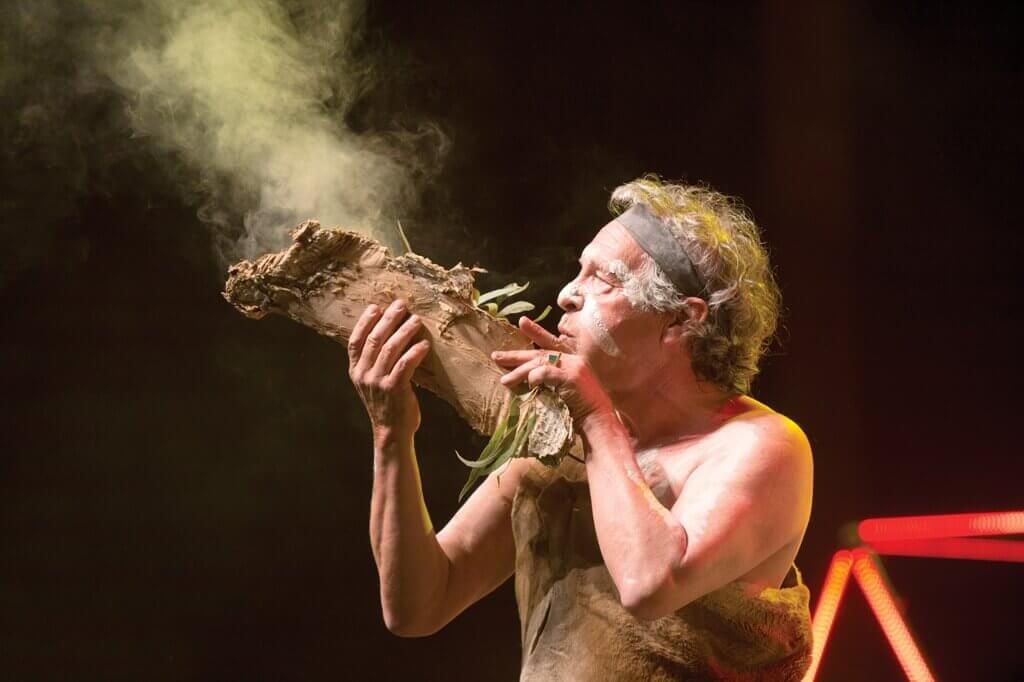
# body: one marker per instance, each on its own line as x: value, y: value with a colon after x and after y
x: 655, y: 237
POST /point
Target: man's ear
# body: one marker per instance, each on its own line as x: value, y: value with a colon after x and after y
x: 693, y: 314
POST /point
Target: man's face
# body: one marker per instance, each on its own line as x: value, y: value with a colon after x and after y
x: 621, y: 344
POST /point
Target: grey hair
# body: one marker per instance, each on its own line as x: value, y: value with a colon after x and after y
x: 647, y: 287
x: 725, y: 247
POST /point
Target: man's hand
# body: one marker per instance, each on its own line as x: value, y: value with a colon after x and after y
x: 571, y: 377
x: 381, y: 364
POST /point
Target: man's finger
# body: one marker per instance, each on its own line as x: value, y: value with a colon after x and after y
x: 396, y: 345
x: 538, y: 334
x: 410, y: 360
x: 381, y: 332
x: 359, y: 332
x: 545, y: 374
x: 520, y: 373
x: 514, y: 358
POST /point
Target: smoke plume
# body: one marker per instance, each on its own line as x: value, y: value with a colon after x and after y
x: 247, y: 105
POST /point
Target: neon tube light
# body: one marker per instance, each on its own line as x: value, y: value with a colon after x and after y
x: 980, y: 549
x: 940, y: 526
x: 836, y: 579
x: 889, y: 617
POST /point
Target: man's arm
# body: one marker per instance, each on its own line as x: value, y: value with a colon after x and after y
x: 410, y: 562
x: 733, y: 514
x: 427, y: 581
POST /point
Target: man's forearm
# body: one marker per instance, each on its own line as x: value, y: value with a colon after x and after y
x: 640, y: 540
x: 412, y: 566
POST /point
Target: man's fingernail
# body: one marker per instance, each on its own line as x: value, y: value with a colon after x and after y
x: 496, y: 354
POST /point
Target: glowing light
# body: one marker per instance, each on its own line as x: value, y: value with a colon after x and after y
x: 836, y: 579
x: 889, y: 617
x: 940, y: 526
x: 944, y: 536
x: 955, y: 548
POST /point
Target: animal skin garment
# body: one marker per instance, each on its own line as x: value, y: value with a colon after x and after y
x: 573, y: 625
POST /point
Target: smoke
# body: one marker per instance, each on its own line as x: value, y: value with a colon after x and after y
x: 247, y: 105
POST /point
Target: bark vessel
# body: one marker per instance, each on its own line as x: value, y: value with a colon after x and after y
x: 327, y: 277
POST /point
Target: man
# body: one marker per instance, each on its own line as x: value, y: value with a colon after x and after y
x: 697, y: 495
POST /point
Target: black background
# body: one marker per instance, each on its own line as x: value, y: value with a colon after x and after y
x: 184, y: 492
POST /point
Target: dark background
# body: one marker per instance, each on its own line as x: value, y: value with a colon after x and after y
x: 184, y: 493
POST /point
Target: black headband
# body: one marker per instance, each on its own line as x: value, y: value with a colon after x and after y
x: 655, y: 237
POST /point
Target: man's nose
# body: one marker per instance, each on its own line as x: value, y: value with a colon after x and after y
x: 569, y: 298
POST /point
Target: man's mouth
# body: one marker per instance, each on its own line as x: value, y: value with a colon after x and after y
x: 566, y: 339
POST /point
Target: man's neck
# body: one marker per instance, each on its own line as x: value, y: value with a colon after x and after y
x: 671, y: 407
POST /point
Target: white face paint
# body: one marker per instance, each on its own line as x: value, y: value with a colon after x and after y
x: 590, y: 316
x: 597, y: 328
x: 631, y: 286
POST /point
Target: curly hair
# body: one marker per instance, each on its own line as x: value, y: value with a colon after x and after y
x: 725, y: 246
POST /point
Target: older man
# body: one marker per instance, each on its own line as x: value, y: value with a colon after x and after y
x: 669, y: 553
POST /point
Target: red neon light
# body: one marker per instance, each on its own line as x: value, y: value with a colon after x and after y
x: 955, y: 548
x: 889, y: 617
x: 949, y: 536
x: 940, y: 526
x: 828, y: 604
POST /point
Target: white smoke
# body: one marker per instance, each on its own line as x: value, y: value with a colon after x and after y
x: 252, y: 97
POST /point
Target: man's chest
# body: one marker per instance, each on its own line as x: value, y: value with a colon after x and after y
x: 667, y: 469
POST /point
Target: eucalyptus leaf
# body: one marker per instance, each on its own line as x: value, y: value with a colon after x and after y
x: 504, y: 457
x: 517, y: 307
x: 492, y: 308
x: 507, y: 290
x: 490, y: 451
x: 473, y: 475
x: 495, y: 453
x: 478, y: 464
x: 521, y: 434
x: 405, y: 240
x: 547, y: 309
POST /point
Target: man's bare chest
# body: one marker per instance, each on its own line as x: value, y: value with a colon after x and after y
x: 668, y: 468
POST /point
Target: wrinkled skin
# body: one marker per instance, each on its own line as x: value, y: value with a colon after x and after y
x: 737, y: 475
x: 608, y: 347
x: 381, y: 363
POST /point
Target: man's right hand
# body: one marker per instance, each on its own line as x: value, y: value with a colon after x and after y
x: 381, y: 364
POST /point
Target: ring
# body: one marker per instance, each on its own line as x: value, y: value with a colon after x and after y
x: 553, y: 358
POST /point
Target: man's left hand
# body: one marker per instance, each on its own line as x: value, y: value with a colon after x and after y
x: 570, y: 375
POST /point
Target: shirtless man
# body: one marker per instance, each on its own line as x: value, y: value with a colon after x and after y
x: 694, y: 484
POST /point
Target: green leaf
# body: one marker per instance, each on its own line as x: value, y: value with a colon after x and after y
x: 475, y: 474
x: 405, y: 240
x: 547, y: 309
x: 517, y: 307
x: 505, y: 456
x: 476, y: 295
x: 522, y: 435
x: 492, y: 308
x: 490, y: 451
x: 495, y: 452
x: 507, y: 290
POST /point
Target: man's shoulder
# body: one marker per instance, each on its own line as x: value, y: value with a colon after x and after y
x: 761, y: 420
x: 765, y: 431
x: 768, y: 456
